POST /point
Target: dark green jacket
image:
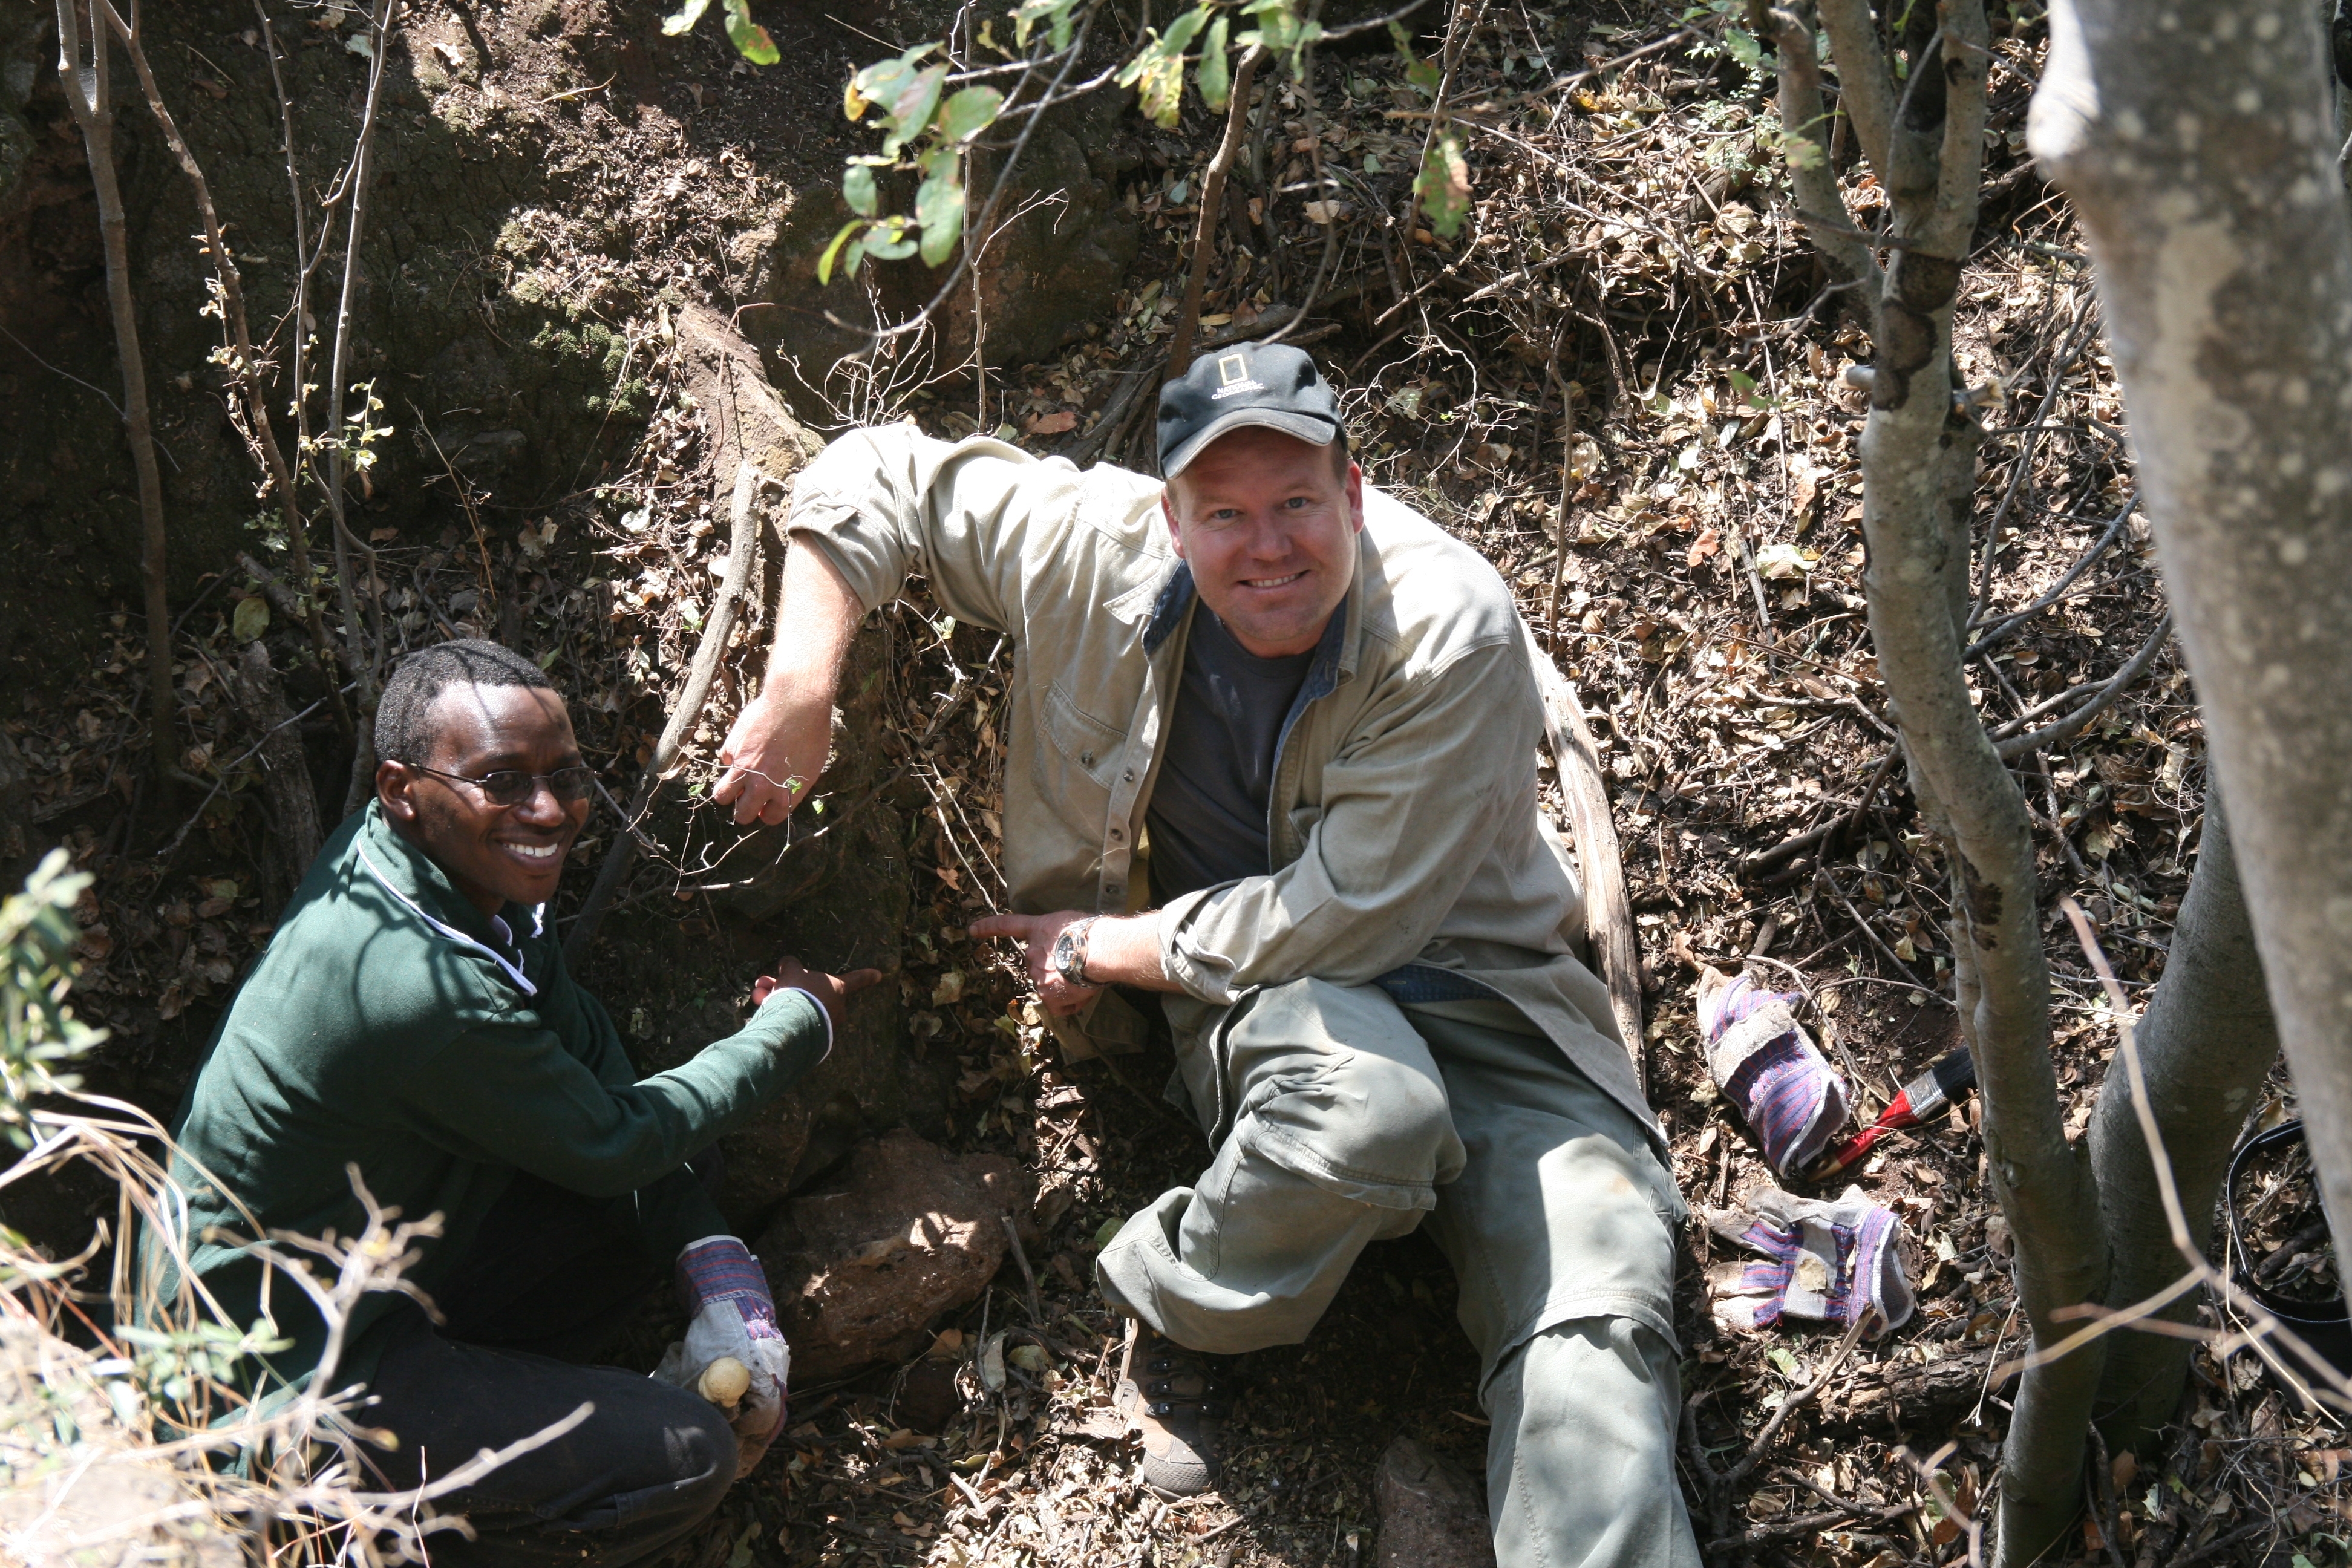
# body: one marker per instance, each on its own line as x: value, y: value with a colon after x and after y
x: 392, y: 1027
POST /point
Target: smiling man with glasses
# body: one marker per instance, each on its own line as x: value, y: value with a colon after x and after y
x: 413, y: 1026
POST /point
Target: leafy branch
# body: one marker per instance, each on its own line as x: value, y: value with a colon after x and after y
x: 749, y: 39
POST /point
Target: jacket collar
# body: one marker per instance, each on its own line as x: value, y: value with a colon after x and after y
x: 419, y: 884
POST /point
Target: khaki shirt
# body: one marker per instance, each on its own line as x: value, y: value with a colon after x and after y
x: 1404, y: 825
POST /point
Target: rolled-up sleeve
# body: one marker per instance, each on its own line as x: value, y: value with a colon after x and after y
x: 1410, y: 807
x: 887, y: 500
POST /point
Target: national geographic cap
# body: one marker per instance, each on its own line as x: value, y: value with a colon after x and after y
x: 1271, y: 384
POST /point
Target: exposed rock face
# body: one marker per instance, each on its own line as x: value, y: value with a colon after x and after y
x: 1043, y: 278
x: 1430, y: 1513
x: 861, y: 1269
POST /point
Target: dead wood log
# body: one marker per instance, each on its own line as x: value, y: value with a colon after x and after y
x: 1607, y: 913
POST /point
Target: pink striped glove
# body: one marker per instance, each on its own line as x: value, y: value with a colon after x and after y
x: 1770, y: 1070
x: 1831, y: 1262
x: 734, y: 1317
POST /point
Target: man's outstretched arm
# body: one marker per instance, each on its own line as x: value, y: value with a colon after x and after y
x: 778, y: 747
x: 1118, y: 949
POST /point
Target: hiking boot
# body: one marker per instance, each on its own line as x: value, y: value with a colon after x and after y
x: 1177, y: 1401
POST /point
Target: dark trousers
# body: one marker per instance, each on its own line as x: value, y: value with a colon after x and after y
x: 551, y: 1278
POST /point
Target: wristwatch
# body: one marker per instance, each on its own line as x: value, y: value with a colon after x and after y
x: 1068, y: 959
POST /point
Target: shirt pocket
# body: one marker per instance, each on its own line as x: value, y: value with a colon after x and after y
x: 1081, y: 757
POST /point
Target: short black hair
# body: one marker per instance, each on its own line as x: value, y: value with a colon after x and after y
x: 404, y: 732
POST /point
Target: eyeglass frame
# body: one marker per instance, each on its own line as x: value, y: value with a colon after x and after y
x: 588, y: 790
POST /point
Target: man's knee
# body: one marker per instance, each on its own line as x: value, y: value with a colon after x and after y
x: 701, y: 1451
x: 1356, y: 1100
x: 1361, y: 1123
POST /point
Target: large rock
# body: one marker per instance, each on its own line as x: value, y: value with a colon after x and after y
x: 861, y: 1269
x: 1430, y: 1513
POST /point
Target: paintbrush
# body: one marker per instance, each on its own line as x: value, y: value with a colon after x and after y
x: 1923, y: 1099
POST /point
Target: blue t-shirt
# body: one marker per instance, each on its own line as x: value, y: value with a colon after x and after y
x: 1208, y: 813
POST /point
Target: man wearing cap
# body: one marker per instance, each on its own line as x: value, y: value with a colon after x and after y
x: 1272, y: 756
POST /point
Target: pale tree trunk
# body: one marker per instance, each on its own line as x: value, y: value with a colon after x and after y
x: 1919, y: 457
x: 2194, y: 139
x: 2204, y: 1046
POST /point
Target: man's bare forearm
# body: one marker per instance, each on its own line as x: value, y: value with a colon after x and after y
x: 780, y: 740
x: 1124, y: 949
x: 816, y: 614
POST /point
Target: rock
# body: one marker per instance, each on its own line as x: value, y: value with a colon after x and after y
x: 1045, y: 275
x: 863, y: 1268
x: 749, y: 420
x: 1430, y: 1513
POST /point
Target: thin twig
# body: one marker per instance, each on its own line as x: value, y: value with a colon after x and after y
x: 1204, y: 231
x: 742, y: 545
x: 1028, y: 1275
x: 1800, y: 1397
x: 2016, y: 746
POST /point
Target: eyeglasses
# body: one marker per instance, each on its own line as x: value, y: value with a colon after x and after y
x: 512, y: 787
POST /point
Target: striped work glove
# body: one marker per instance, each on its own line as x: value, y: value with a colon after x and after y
x: 1829, y: 1261
x: 733, y: 1321
x: 1770, y: 1070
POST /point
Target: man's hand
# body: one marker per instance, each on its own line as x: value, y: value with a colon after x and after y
x: 1035, y: 934
x: 833, y: 991
x: 774, y: 755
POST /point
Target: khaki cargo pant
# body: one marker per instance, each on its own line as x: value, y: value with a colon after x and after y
x: 1339, y: 1118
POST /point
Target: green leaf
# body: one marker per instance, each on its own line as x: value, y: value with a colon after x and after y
x: 1741, y: 46
x: 968, y: 113
x: 1423, y: 74
x: 749, y: 39
x: 683, y: 19
x: 890, y: 240
x: 1107, y: 1230
x: 910, y: 108
x: 857, y: 190
x: 1055, y: 13
x: 1784, y: 1361
x: 1184, y: 28
x: 252, y: 619
x: 882, y: 82
x: 1280, y: 30
x: 1444, y: 185
x: 824, y: 262
x: 1216, y: 77
x: 939, y: 207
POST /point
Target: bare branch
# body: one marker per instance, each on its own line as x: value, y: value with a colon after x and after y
x: 1866, y: 86
x: 1212, y: 196
x: 1811, y: 176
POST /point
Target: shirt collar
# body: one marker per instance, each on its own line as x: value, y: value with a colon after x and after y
x: 1334, y: 653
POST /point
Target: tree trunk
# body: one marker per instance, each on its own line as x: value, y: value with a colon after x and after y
x: 89, y: 93
x: 1918, y: 456
x: 286, y: 787
x: 2204, y: 1046
x: 2194, y: 141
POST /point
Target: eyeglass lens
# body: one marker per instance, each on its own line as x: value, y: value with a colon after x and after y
x: 511, y: 786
